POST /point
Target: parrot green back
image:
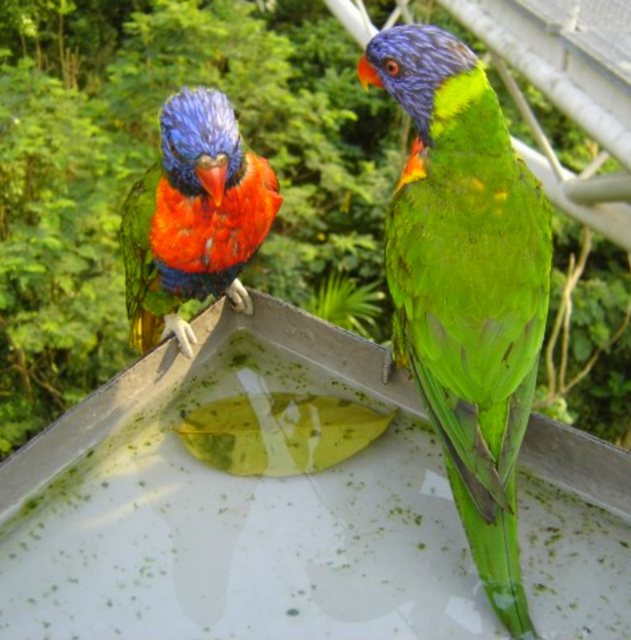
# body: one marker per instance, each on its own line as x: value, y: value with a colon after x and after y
x: 476, y: 235
x: 468, y: 256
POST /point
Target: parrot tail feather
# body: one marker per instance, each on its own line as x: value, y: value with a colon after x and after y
x: 145, y: 330
x: 482, y: 498
x: 495, y: 550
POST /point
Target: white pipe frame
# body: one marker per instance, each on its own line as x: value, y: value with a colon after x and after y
x: 595, y: 202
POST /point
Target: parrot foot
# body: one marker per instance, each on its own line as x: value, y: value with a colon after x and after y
x: 388, y: 365
x: 240, y: 298
x: 182, y: 330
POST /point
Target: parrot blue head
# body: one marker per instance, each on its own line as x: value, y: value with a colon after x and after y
x: 201, y: 145
x: 411, y: 62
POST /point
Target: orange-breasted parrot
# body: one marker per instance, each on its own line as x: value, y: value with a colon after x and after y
x: 468, y: 252
x: 195, y: 219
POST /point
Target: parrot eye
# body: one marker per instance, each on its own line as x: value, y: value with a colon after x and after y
x: 392, y: 68
x: 174, y: 151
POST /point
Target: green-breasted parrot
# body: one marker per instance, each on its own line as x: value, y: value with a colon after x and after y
x: 194, y: 220
x: 468, y: 252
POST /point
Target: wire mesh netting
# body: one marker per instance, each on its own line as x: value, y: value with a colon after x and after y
x: 605, y: 30
x: 599, y: 28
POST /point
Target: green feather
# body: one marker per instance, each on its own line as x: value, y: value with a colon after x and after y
x: 146, y: 306
x: 468, y: 258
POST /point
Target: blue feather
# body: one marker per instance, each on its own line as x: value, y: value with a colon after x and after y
x: 426, y: 56
x: 195, y: 122
x: 197, y: 285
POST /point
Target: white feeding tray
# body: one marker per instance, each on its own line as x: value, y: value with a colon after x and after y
x: 109, y: 528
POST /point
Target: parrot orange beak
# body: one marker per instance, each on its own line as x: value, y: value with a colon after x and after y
x: 367, y: 74
x: 212, y: 173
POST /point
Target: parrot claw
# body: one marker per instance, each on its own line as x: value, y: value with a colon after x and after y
x: 240, y: 298
x: 388, y: 365
x: 182, y: 330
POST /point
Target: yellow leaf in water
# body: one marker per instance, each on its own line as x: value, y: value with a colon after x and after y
x: 279, y: 434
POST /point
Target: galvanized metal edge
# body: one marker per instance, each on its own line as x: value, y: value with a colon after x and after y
x: 595, y: 470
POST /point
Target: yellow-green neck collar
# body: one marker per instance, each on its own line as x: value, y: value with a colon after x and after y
x: 454, y: 96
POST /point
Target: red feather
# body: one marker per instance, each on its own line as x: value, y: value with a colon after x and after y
x: 415, y: 168
x: 193, y: 235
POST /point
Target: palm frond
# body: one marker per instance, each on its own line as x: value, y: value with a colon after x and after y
x: 340, y: 301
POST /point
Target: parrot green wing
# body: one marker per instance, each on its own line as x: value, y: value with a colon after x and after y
x: 461, y: 432
x: 146, y: 304
x: 456, y: 425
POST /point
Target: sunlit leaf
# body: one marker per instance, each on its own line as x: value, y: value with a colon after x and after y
x: 279, y: 434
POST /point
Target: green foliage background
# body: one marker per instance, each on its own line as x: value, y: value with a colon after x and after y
x: 81, y: 86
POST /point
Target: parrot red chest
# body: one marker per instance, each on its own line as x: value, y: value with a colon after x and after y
x: 191, y: 235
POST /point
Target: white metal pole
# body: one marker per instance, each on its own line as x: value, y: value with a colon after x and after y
x: 612, y: 187
x: 611, y: 220
x: 350, y: 16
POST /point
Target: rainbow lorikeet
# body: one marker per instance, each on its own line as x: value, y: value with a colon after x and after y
x: 468, y: 254
x: 195, y: 220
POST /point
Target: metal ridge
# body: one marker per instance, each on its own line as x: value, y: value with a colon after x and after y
x: 593, y: 469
